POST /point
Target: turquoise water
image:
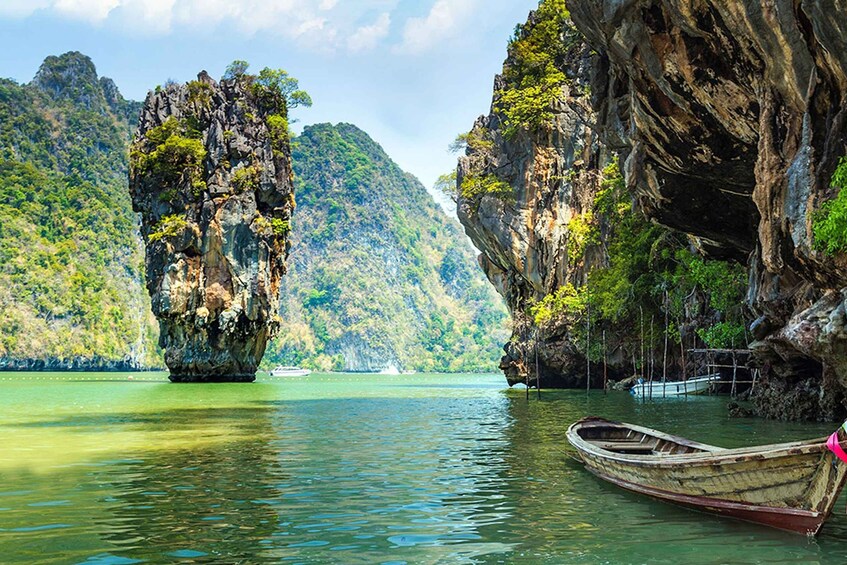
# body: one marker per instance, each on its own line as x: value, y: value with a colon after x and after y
x: 99, y: 469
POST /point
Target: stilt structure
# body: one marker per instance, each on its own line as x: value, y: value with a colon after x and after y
x: 537, y: 371
x: 713, y: 365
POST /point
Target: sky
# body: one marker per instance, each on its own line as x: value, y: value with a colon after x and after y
x: 411, y: 73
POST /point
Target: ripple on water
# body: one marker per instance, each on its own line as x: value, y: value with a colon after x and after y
x: 317, y: 473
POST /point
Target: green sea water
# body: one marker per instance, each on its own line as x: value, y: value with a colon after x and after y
x: 102, y: 469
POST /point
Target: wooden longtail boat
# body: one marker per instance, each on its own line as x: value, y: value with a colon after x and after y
x: 790, y: 486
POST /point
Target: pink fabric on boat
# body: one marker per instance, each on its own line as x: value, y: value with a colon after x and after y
x: 835, y: 447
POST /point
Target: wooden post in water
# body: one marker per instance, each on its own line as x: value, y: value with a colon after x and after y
x: 588, y: 348
x: 652, y: 357
x: 665, y: 353
x: 605, y: 367
x: 682, y: 353
x: 641, y: 318
x: 523, y: 359
x: 537, y: 372
x: 734, y: 371
x: 708, y: 368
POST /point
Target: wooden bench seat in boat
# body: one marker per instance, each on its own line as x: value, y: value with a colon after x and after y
x: 624, y: 445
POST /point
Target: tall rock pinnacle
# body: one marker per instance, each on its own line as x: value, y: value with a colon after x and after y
x: 211, y: 176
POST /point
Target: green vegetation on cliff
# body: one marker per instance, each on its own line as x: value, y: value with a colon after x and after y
x: 533, y: 77
x: 378, y: 274
x: 651, y: 270
x: 172, y: 153
x: 830, y: 223
x: 71, y: 263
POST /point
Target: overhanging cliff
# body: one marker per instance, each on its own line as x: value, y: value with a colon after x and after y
x: 728, y: 122
x: 732, y: 116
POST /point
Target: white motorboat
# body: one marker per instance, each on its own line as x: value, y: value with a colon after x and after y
x: 659, y: 389
x: 290, y: 372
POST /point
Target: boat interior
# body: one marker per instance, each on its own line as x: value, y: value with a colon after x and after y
x: 616, y: 438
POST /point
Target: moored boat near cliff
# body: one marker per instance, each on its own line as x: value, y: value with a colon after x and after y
x: 662, y: 389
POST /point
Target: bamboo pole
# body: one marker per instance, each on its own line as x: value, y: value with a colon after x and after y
x: 537, y: 371
x: 523, y: 359
x: 588, y: 348
x: 605, y: 367
x: 652, y: 357
x: 682, y: 350
x: 641, y: 316
x: 734, y: 371
x: 665, y: 353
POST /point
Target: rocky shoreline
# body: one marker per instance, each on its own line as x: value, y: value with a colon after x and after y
x: 77, y: 364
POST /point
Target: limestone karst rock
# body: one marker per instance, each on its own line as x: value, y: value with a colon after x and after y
x: 211, y: 176
x: 554, y: 175
x: 733, y: 118
x: 729, y: 119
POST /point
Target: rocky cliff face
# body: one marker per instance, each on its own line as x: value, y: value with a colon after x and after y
x: 554, y: 173
x: 211, y: 176
x: 729, y: 120
x: 732, y: 118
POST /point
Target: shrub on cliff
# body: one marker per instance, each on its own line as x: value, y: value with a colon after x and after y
x: 475, y: 186
x: 173, y: 152
x: 532, y: 74
x: 275, y: 85
x: 829, y: 224
x: 169, y: 226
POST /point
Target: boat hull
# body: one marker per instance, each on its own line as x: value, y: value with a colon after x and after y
x: 291, y: 373
x: 792, y: 487
x: 657, y: 389
x: 796, y: 521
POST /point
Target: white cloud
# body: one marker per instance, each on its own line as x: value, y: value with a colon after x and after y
x: 367, y: 37
x: 22, y: 8
x: 93, y: 11
x: 443, y: 19
x: 320, y: 24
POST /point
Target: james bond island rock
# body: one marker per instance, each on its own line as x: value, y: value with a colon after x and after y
x: 211, y: 176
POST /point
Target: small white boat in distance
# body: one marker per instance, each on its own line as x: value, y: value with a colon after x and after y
x: 290, y: 372
x: 658, y: 389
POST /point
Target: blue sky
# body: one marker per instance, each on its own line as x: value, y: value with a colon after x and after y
x: 411, y: 73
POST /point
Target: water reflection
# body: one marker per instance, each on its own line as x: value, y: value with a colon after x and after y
x: 204, y: 501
